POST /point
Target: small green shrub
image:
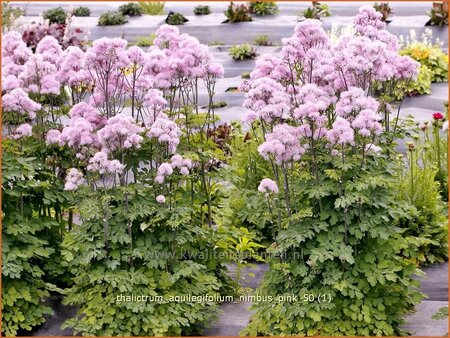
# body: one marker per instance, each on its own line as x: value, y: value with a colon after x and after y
x: 176, y: 19
x: 111, y: 18
x: 263, y: 40
x: 145, y: 41
x: 385, y: 10
x: 237, y: 13
x: 431, y: 56
x: 131, y: 9
x: 317, y: 11
x: 425, y: 224
x: 202, y: 10
x: 263, y: 7
x: 82, y: 11
x: 439, y: 14
x: 245, y: 75
x: 242, y: 52
x: 55, y: 15
x: 152, y: 7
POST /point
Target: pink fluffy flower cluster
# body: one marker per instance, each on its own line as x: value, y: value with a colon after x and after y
x: 177, y: 164
x: 320, y: 91
x: 101, y: 80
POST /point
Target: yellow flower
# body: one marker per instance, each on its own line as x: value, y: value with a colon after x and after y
x: 420, y: 54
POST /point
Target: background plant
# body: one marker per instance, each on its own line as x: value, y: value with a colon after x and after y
x: 237, y: 13
x: 82, y: 11
x: 152, y: 7
x: 176, y: 19
x: 429, y: 53
x: 242, y: 52
x: 263, y: 7
x: 111, y: 18
x: 55, y: 15
x: 202, y: 10
x: 317, y: 11
x: 439, y: 14
x: 144, y: 41
x: 385, y: 10
x: 263, y: 40
x: 130, y: 9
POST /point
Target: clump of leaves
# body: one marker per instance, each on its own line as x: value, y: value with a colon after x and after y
x: 131, y: 9
x: 82, y: 11
x: 32, y: 228
x: 442, y: 313
x: 263, y: 40
x: 384, y: 9
x: 431, y: 56
x: 242, y: 52
x: 263, y: 7
x: 10, y: 14
x: 176, y: 19
x: 152, y: 7
x: 245, y: 75
x: 145, y: 41
x: 202, y: 10
x: 439, y: 14
x: 237, y: 13
x: 55, y: 15
x: 317, y: 11
x: 420, y: 86
x: 425, y: 224
x: 111, y: 18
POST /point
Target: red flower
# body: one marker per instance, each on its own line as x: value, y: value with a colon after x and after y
x: 438, y: 116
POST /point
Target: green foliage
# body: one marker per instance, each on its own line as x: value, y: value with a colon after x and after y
x: 202, y: 10
x: 317, y: 11
x: 10, y: 14
x: 439, y: 14
x: 243, y: 52
x: 430, y: 56
x: 152, y: 7
x: 263, y: 7
x: 111, y: 18
x: 343, y: 252
x: 425, y: 223
x: 384, y: 9
x: 55, y: 15
x: 237, y: 13
x: 145, y: 41
x: 442, y: 313
x: 420, y: 86
x: 82, y: 11
x: 130, y: 9
x: 263, y: 40
x: 243, y: 206
x: 245, y: 75
x: 168, y: 253
x: 175, y: 19
x: 28, y: 235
